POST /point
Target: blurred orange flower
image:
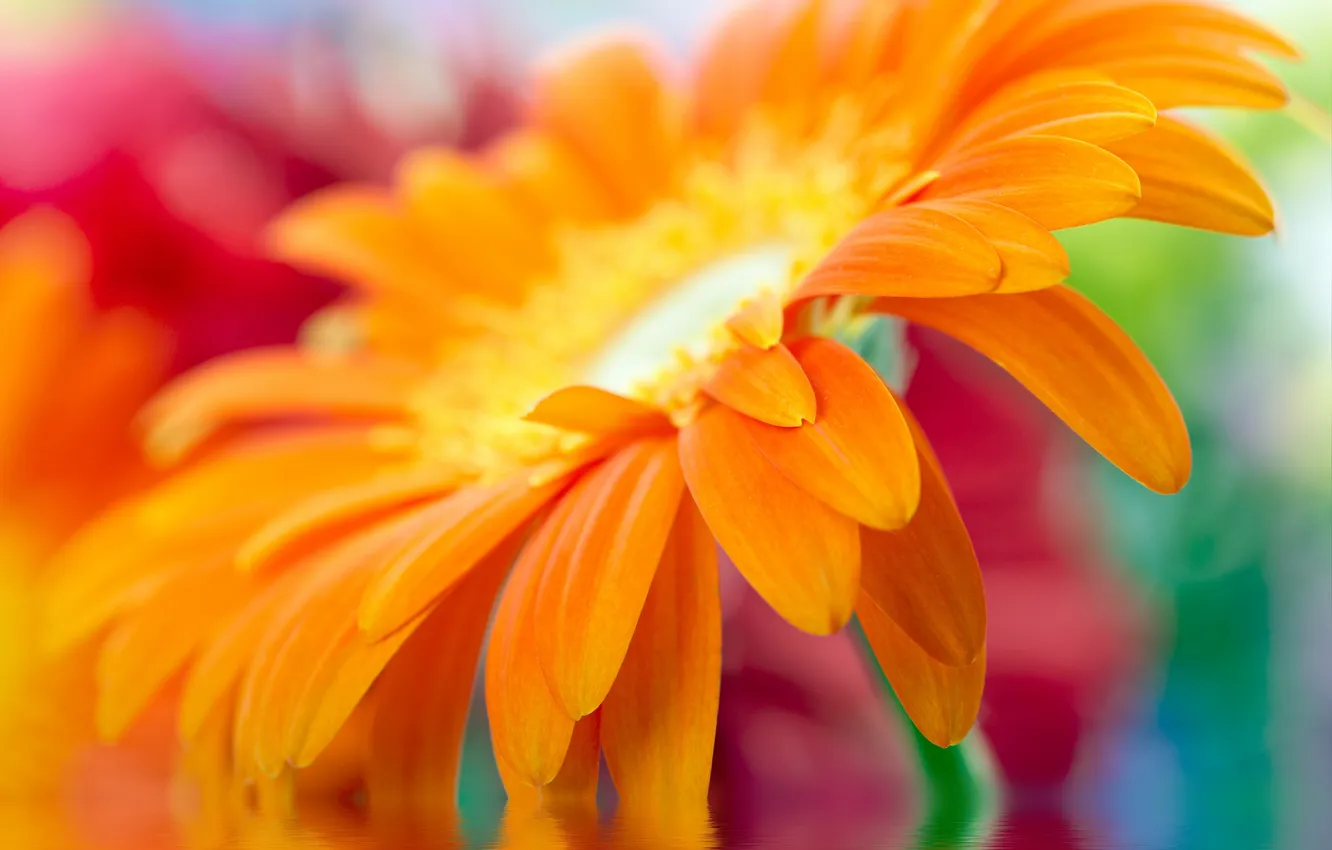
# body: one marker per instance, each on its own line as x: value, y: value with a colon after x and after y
x: 606, y: 345
x: 71, y: 378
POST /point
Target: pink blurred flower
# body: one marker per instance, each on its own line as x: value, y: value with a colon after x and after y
x: 171, y: 191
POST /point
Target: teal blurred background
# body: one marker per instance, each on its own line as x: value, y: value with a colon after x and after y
x: 1222, y: 736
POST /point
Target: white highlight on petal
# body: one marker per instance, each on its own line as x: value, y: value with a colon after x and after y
x: 685, y: 317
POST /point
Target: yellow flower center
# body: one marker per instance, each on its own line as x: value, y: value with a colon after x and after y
x: 682, y: 324
x: 639, y: 308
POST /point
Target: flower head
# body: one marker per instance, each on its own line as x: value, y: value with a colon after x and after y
x: 574, y: 364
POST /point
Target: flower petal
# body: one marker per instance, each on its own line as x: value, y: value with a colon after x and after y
x: 589, y: 602
x: 296, y: 651
x: 547, y: 176
x: 942, y: 701
x: 660, y: 719
x: 422, y: 698
x: 857, y: 456
x: 735, y: 65
x: 201, y: 511
x: 44, y: 264
x: 1125, y: 23
x: 360, y: 235
x: 331, y: 694
x: 214, y: 674
x: 1054, y: 181
x: 453, y: 536
x: 266, y: 383
x: 1071, y: 105
x: 1174, y: 76
x: 767, y: 384
x: 529, y: 729
x: 926, y: 576
x: 796, y: 66
x: 1032, y: 258
x: 801, y: 556
x: 592, y: 410
x: 338, y: 676
x: 603, y: 98
x: 860, y: 40
x: 151, y: 645
x: 1082, y: 365
x: 330, y: 513
x: 759, y: 322
x: 485, y: 240
x: 911, y: 251
x: 576, y: 783
x: 1191, y: 178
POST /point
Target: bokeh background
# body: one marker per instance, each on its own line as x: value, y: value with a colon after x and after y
x: 1161, y: 673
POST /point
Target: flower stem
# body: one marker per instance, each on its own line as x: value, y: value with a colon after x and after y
x: 960, y: 788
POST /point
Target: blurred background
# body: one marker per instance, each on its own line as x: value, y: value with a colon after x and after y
x: 1160, y: 673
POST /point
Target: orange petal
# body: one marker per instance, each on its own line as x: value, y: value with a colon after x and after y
x: 925, y: 576
x: 735, y: 64
x: 1056, y: 182
x: 330, y: 513
x: 422, y: 699
x: 301, y: 644
x: 942, y: 701
x: 259, y: 476
x: 1032, y: 258
x: 857, y: 456
x: 334, y: 682
x: 214, y: 674
x: 203, y: 510
x: 796, y: 65
x: 529, y: 729
x: 1127, y: 23
x: 329, y: 697
x: 801, y: 556
x: 1191, y: 178
x: 44, y: 268
x: 604, y: 100
x: 759, y: 322
x: 84, y: 422
x: 907, y: 251
x: 548, y: 177
x: 767, y: 384
x: 660, y: 719
x: 296, y: 648
x: 86, y: 592
x: 1086, y: 35
x: 576, y: 783
x: 486, y: 242
x: 360, y: 235
x: 453, y: 536
x: 865, y: 36
x: 1082, y: 365
x: 596, y: 411
x: 1092, y: 110
x: 589, y: 601
x: 906, y: 191
x: 149, y: 646
x: 1173, y: 76
x: 271, y: 383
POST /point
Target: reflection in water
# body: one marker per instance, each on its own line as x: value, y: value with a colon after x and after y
x: 346, y: 829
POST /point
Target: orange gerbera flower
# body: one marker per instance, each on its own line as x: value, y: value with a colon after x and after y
x: 577, y: 360
x: 71, y: 379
